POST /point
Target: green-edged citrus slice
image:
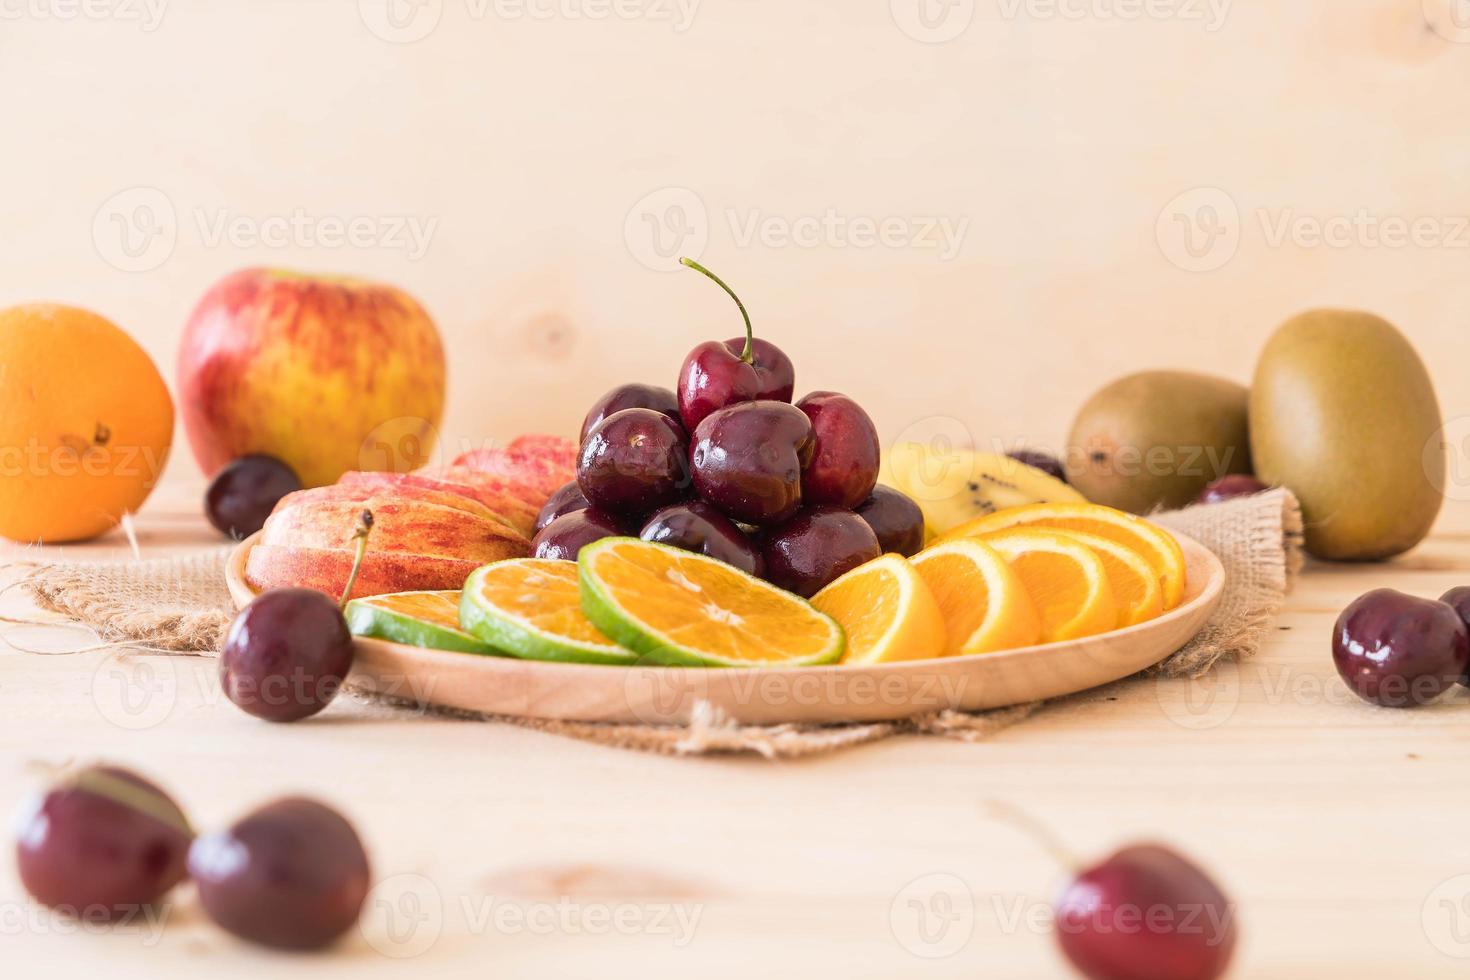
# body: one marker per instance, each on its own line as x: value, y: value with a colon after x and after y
x: 530, y: 608
x: 684, y: 609
x: 420, y: 619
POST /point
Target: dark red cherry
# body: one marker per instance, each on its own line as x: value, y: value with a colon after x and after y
x: 292, y: 875
x: 634, y: 462
x: 658, y: 399
x: 566, y: 536
x: 711, y: 379
x: 1230, y: 487
x: 243, y: 494
x: 566, y: 500
x: 895, y: 519
x: 817, y: 546
x: 698, y: 527
x: 1045, y: 462
x: 1458, y: 599
x: 748, y: 458
x: 101, y: 844
x: 774, y: 369
x: 1146, y: 913
x: 1398, y: 650
x: 716, y: 375
x: 844, y: 466
x: 286, y: 655
x: 288, y: 652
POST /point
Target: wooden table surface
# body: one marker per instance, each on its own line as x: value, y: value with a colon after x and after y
x: 1335, y: 827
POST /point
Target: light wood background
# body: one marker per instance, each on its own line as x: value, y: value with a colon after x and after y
x: 1076, y: 151
x: 1062, y: 144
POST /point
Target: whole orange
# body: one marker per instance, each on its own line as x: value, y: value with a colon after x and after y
x: 85, y: 424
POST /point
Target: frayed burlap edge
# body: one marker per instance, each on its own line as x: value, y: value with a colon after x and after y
x: 182, y: 606
x: 1259, y: 540
x: 710, y: 732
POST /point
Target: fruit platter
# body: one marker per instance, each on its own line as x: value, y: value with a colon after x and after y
x: 714, y: 544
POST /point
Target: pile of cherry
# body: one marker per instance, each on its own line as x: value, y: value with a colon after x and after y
x: 730, y: 468
x: 105, y: 845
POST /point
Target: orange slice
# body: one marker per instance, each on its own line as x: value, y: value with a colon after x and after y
x: 887, y: 612
x: 1065, y: 579
x: 684, y: 609
x: 532, y: 608
x: 984, y: 604
x: 420, y: 619
x: 1155, y: 544
x: 1136, y: 587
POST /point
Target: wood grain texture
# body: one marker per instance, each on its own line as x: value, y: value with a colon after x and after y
x: 1331, y: 823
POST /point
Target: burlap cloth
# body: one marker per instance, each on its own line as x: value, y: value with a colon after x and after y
x: 181, y: 605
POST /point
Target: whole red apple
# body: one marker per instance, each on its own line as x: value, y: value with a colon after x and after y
x: 325, y: 374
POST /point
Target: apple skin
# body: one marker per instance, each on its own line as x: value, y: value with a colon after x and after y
x: 422, y: 539
x: 325, y: 374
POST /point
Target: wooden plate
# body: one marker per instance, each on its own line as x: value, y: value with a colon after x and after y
x: 667, y: 695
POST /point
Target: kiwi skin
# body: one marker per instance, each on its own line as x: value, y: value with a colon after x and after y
x: 1154, y: 439
x: 1344, y: 413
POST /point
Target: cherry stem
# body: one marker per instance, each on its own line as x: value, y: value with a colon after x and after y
x: 747, y: 355
x: 1036, y: 830
x: 364, y: 528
